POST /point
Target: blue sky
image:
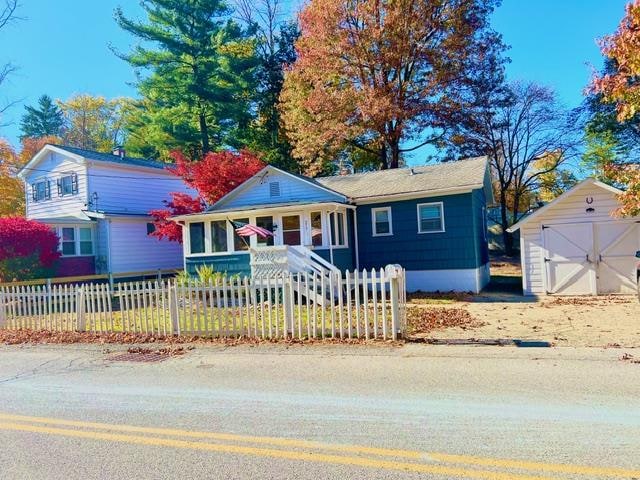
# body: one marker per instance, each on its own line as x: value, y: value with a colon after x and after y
x: 62, y: 47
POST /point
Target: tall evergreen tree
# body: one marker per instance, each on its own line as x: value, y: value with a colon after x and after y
x: 41, y: 121
x: 196, y: 75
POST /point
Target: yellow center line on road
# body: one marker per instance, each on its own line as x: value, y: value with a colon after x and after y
x: 342, y: 448
x: 272, y: 453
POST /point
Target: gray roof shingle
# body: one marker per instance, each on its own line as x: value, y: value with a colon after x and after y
x: 108, y: 157
x: 469, y: 173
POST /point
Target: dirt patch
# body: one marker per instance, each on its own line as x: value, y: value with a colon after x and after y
x: 439, y: 297
x: 605, y: 322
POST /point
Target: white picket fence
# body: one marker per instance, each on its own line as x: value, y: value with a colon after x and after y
x: 354, y: 304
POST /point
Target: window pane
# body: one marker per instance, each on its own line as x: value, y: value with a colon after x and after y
x: 68, y: 234
x: 340, y: 228
x: 219, y: 236
x: 292, y: 237
x: 292, y: 222
x: 430, y: 218
x: 86, y: 248
x: 382, y: 222
x: 85, y: 234
x: 291, y: 230
x: 265, y: 222
x: 68, y: 248
x: 240, y: 243
x: 316, y: 229
x: 196, y: 237
x: 67, y: 185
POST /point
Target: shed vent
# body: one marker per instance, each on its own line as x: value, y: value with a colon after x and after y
x: 274, y: 189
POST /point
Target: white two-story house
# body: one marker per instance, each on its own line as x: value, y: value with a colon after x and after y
x: 98, y: 204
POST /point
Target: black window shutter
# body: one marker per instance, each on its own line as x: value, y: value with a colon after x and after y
x: 59, y: 183
x: 34, y: 192
x: 74, y: 183
x: 47, y: 194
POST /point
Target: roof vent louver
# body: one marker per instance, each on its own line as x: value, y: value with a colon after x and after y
x: 274, y: 189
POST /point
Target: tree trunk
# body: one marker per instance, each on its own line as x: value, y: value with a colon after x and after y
x: 383, y: 157
x: 507, y: 238
x: 204, y: 133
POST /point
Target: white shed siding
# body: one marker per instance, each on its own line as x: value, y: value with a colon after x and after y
x: 570, y: 210
x: 291, y: 189
x: 131, y: 190
x: 52, y: 168
x: 132, y: 250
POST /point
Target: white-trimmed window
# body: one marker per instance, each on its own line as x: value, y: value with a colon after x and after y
x: 219, y: 239
x: 430, y: 217
x: 41, y: 190
x: 75, y: 241
x: 381, y: 223
x: 68, y: 185
x: 338, y: 225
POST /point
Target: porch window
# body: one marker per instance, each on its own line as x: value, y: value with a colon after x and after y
x: 316, y: 229
x: 86, y: 242
x: 381, y: 221
x: 240, y: 243
x: 68, y: 241
x: 219, y: 236
x: 337, y: 222
x: 196, y: 237
x: 291, y: 230
x: 264, y: 222
x: 430, y: 217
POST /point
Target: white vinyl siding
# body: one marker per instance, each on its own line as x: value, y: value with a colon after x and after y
x: 129, y: 190
x: 431, y: 217
x: 381, y: 222
x: 51, y: 169
x: 132, y: 250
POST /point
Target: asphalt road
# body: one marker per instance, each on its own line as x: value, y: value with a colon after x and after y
x: 323, y: 412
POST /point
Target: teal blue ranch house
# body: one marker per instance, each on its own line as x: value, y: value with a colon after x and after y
x: 431, y: 220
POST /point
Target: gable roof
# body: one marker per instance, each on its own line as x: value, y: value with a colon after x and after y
x: 79, y: 155
x: 562, y: 198
x: 109, y: 157
x: 261, y: 174
x: 466, y: 174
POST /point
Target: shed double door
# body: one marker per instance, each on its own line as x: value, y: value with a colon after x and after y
x: 591, y: 258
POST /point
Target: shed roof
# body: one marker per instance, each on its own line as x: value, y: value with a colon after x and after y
x: 462, y: 174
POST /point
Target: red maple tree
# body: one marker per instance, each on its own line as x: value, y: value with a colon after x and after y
x: 213, y: 177
x: 28, y: 249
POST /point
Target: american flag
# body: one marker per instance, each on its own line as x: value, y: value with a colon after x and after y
x: 246, y: 230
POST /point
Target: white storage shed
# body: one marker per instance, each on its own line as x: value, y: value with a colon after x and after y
x: 575, y: 245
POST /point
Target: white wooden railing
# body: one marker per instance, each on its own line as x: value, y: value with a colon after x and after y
x: 355, y: 304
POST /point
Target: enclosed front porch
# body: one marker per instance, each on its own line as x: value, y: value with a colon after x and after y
x: 322, y: 232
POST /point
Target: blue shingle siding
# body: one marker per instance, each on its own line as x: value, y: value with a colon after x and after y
x: 342, y: 257
x: 232, y: 264
x: 458, y: 247
x: 480, y: 225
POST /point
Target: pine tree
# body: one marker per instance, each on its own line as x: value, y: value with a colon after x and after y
x: 196, y: 77
x: 44, y: 120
